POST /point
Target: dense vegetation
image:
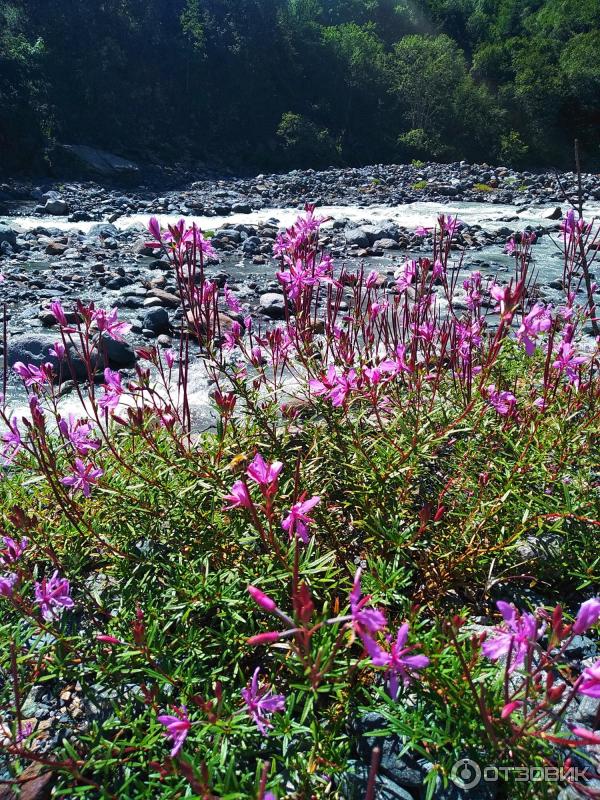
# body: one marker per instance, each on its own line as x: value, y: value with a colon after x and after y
x: 281, y: 83
x: 182, y: 615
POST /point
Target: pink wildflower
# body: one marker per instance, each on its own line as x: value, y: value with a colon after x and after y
x: 53, y: 596
x: 83, y: 477
x: 177, y: 728
x: 516, y: 636
x: 590, y: 683
x: 107, y: 322
x: 396, y: 661
x: 297, y: 520
x: 588, y: 615
x: 238, y: 496
x: 264, y: 474
x: 504, y: 402
x: 364, y: 620
x: 261, y: 703
x: 12, y: 550
x: 7, y: 584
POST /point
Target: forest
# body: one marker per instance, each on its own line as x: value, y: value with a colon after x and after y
x: 281, y: 84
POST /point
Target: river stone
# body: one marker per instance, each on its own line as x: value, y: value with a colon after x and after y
x: 168, y: 299
x: 57, y: 207
x: 377, y: 232
x: 556, y: 214
x: 357, y: 236
x: 7, y: 235
x: 119, y: 354
x: 157, y: 320
x: 34, y: 348
x: 273, y: 305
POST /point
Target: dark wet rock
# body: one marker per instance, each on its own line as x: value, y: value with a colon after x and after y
x: 156, y: 320
x: 352, y: 785
x: 119, y: 354
x: 7, y: 234
x: 556, y: 214
x: 32, y: 348
x: 56, y: 206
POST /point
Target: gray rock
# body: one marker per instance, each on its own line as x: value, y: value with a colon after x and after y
x: 91, y: 159
x: 156, y: 320
x: 119, y: 354
x: 7, y: 235
x: 32, y: 348
x: 229, y: 233
x: 353, y: 785
x: 357, y: 237
x: 57, y: 207
x: 273, y: 305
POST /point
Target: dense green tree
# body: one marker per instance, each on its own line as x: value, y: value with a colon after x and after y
x: 281, y: 83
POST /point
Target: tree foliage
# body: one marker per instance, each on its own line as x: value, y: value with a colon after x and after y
x: 282, y: 83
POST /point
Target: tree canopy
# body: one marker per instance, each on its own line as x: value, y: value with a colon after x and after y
x: 292, y: 83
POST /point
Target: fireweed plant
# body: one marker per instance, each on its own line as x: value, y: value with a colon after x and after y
x: 397, y: 512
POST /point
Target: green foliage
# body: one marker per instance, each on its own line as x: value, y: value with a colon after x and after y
x: 467, y: 74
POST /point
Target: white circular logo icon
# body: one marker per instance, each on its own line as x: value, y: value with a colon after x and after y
x: 466, y: 773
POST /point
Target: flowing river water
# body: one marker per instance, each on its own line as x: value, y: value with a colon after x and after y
x: 547, y: 258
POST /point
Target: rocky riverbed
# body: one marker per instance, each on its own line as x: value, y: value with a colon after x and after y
x: 88, y: 241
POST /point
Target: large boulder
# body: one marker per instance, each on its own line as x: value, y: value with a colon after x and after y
x: 7, y: 235
x: 57, y: 207
x: 358, y: 237
x: 34, y: 348
x: 83, y: 158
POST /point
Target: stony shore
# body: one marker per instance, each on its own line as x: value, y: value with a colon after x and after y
x: 112, y: 265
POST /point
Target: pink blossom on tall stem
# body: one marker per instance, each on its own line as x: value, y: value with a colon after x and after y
x: 58, y: 350
x: 406, y: 276
x: 588, y: 615
x: 518, y: 633
x: 7, y: 584
x: 538, y: 320
x: 12, y: 550
x: 53, y: 596
x: 365, y: 621
x: 398, y: 364
x: 113, y: 390
x: 261, y: 703
x: 572, y: 225
x: 79, y: 433
x: 261, y: 599
x: 231, y: 300
x: 297, y: 520
x: 59, y: 313
x: 177, y: 727
x: 504, y: 402
x: 566, y: 361
x: 232, y: 336
x: 590, y: 681
x: 397, y: 662
x: 12, y: 442
x: 32, y: 375
x: 107, y: 322
x: 264, y: 474
x: 238, y: 497
x: 83, y: 477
